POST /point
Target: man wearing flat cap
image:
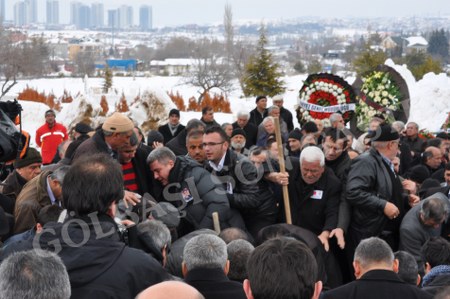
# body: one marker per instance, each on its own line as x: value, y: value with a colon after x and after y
x: 375, y: 192
x: 115, y: 133
x: 49, y: 136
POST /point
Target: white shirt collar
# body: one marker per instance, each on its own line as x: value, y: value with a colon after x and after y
x: 220, y: 166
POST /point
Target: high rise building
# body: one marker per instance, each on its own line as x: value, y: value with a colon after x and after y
x: 97, y: 15
x: 74, y: 12
x: 125, y: 16
x: 113, y: 20
x: 52, y: 12
x: 145, y: 18
x: 84, y: 18
x: 32, y: 10
x: 2, y: 10
x: 25, y: 12
x: 20, y: 14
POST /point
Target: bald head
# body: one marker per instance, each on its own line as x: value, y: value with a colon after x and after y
x: 170, y: 290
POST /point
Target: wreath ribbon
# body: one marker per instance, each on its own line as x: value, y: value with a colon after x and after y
x: 327, y: 109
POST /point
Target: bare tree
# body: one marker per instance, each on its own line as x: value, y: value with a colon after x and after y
x: 85, y: 62
x: 9, y: 63
x: 228, y: 30
x: 238, y: 51
x: 210, y: 69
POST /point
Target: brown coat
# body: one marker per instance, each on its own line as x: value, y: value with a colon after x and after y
x: 33, y: 197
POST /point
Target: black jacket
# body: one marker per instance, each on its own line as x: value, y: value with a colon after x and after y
x: 248, y: 196
x: 144, y: 176
x: 103, y: 266
x: 214, y: 284
x: 93, y: 145
x: 341, y: 167
x: 377, y: 284
x: 178, y: 144
x: 196, y: 194
x: 167, y: 133
x: 256, y: 118
x: 317, y: 214
x: 369, y: 188
x: 286, y: 115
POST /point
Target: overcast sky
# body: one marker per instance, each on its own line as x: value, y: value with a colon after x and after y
x: 178, y: 12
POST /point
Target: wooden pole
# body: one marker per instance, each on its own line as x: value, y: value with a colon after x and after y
x: 287, y: 207
x: 216, y: 222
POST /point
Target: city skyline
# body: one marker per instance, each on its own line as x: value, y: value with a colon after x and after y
x: 180, y: 12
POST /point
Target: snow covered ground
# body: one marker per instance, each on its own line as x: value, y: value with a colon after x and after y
x: 430, y: 97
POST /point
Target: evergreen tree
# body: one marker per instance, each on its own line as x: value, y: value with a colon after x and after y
x: 421, y: 63
x: 438, y: 44
x: 368, y: 60
x: 108, y: 79
x: 262, y: 75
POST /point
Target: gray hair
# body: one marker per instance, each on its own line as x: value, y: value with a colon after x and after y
x: 34, y: 274
x: 243, y: 113
x: 162, y: 155
x: 267, y: 119
x: 335, y: 117
x: 271, y: 108
x: 312, y: 154
x: 435, y: 207
x: 224, y: 126
x: 398, y: 125
x: 238, y: 253
x: 205, y: 251
x: 59, y: 173
x: 407, y: 267
x: 158, y: 232
x: 379, y: 144
x: 373, y: 251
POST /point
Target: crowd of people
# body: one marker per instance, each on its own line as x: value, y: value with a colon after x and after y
x: 200, y: 211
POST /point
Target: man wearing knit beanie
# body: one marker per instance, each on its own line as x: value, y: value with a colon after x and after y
x: 26, y: 168
x: 295, y: 143
x: 238, y: 140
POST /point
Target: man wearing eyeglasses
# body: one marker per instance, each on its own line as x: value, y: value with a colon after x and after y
x: 240, y: 179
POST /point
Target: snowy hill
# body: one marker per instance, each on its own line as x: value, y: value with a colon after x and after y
x: 430, y: 99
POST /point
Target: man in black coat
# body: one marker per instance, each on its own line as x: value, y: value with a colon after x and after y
x: 240, y: 180
x: 375, y: 268
x: 314, y: 193
x: 205, y: 267
x: 375, y: 193
x: 88, y: 241
x: 173, y: 127
x: 260, y: 112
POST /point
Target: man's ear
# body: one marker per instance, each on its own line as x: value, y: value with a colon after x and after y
x: 184, y: 269
x: 357, y: 268
x: 317, y: 290
x: 247, y: 289
x: 227, y: 267
x: 396, y: 265
x: 427, y: 267
x: 112, y: 210
x: 39, y: 227
x: 419, y: 279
